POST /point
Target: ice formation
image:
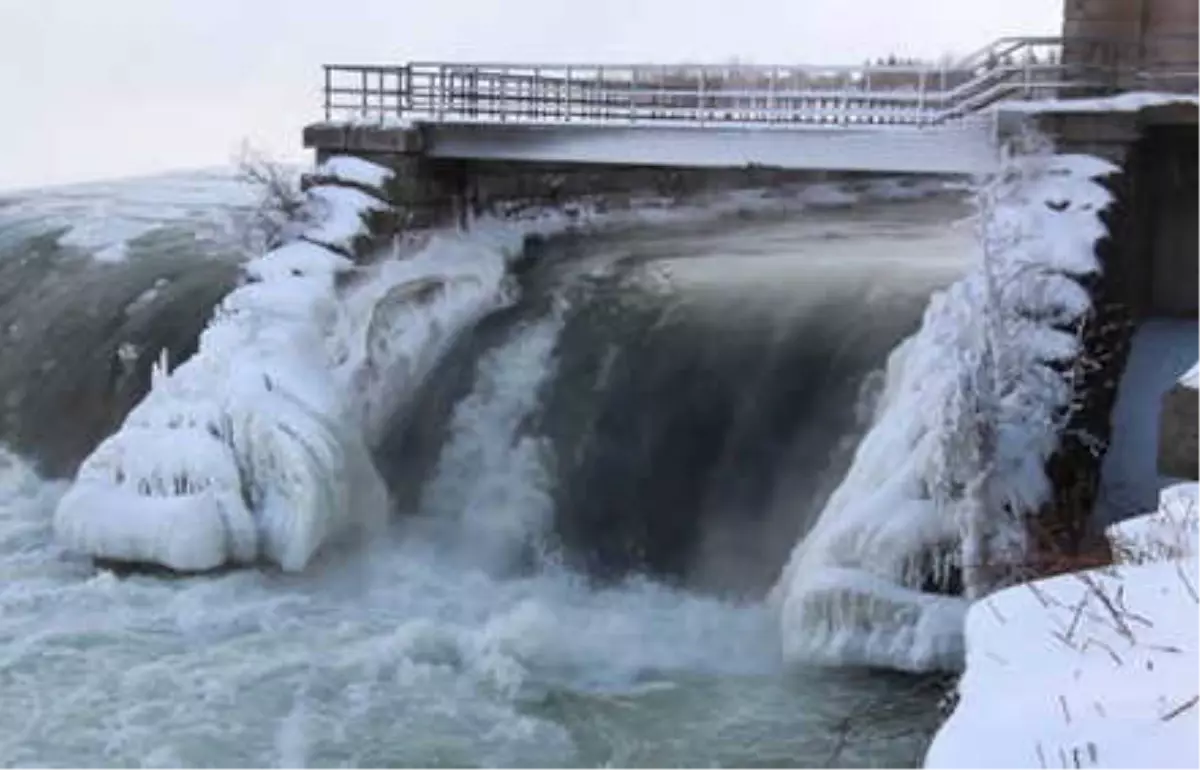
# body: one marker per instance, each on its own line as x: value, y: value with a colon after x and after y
x: 873, y: 582
x: 257, y: 448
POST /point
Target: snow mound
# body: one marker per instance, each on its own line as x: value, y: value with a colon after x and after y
x: 298, y: 259
x: 1169, y: 533
x: 352, y: 170
x: 872, y: 582
x: 1088, y: 669
x: 341, y: 215
x: 257, y: 447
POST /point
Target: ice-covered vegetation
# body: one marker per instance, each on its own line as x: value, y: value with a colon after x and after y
x: 936, y: 500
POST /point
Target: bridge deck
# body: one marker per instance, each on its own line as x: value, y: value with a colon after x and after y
x: 886, y: 117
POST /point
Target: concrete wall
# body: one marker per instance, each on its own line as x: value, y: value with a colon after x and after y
x: 1169, y: 34
x: 1112, y: 19
x: 1158, y: 35
x: 1170, y: 159
x: 1154, y: 266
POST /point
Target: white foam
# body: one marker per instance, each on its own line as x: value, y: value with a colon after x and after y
x: 492, y: 484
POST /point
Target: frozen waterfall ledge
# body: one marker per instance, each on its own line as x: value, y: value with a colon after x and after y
x: 1091, y: 669
x: 875, y: 582
x: 256, y: 449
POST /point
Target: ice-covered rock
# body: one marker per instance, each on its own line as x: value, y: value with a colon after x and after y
x: 257, y: 448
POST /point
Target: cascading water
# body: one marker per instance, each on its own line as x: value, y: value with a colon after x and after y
x: 491, y: 486
x: 665, y: 408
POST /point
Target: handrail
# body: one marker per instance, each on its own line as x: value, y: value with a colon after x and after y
x: 701, y: 95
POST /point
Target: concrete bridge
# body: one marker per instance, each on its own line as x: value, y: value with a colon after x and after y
x: 930, y: 119
x: 498, y: 137
x: 919, y: 118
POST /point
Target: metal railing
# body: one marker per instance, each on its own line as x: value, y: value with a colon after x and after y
x: 783, y: 96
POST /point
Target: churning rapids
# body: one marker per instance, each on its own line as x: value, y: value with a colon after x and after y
x: 594, y: 490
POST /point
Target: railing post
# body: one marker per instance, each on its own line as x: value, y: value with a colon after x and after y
x: 405, y: 97
x: 440, y: 87
x: 632, y: 90
x: 771, y: 96
x: 921, y: 81
x: 382, y: 100
x: 661, y: 106
x: 328, y: 93
x: 700, y: 97
x: 842, y: 114
x: 364, y: 92
x: 568, y: 98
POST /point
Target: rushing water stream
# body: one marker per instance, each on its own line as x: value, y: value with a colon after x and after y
x: 594, y: 491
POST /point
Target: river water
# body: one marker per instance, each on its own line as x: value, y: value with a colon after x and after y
x: 593, y: 494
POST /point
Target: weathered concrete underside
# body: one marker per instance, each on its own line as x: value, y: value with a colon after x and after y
x: 965, y: 147
x: 429, y: 188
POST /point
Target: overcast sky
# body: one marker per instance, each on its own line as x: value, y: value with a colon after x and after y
x: 108, y: 88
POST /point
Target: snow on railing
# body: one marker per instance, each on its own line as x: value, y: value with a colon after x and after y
x: 783, y: 96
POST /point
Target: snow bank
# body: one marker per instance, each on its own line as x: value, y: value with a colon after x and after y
x: 346, y: 168
x: 1127, y: 102
x: 866, y: 585
x: 257, y: 447
x: 1090, y: 669
x: 1169, y: 533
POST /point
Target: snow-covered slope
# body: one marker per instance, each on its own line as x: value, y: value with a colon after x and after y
x: 868, y: 584
x: 1090, y: 669
x: 257, y: 446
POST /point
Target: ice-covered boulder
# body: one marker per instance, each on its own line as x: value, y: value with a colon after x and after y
x: 257, y: 449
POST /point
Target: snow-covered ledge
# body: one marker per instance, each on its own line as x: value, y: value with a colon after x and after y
x: 1133, y: 101
x: 255, y: 449
x: 1089, y: 669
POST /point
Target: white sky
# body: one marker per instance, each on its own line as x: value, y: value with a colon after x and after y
x: 104, y: 88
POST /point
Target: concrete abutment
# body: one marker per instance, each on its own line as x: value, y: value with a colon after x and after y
x: 1149, y: 266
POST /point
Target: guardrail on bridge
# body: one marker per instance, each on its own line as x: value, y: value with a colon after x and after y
x: 784, y: 96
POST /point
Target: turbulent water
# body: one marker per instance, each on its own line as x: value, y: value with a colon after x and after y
x: 593, y: 491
